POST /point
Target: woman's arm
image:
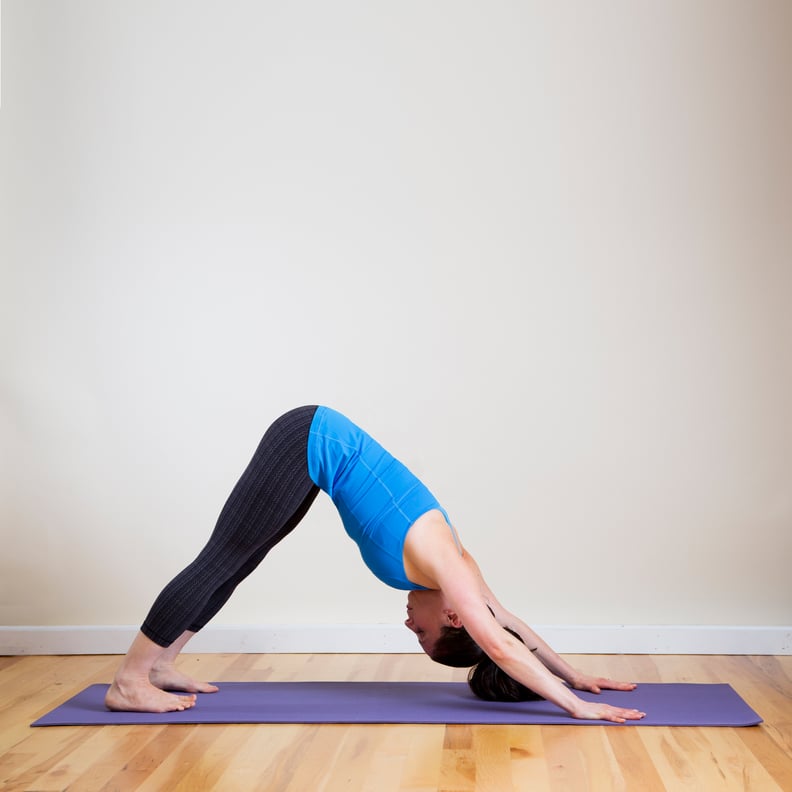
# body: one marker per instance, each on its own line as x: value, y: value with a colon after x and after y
x: 552, y: 661
x: 432, y: 554
x: 514, y: 657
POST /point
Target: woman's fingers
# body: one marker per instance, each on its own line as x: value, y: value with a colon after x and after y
x: 593, y: 711
x: 598, y: 684
x: 610, y: 684
x: 632, y: 714
x: 620, y: 715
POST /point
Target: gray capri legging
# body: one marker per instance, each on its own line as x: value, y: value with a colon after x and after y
x: 270, y: 499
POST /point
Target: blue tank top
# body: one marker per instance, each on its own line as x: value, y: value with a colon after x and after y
x: 377, y: 497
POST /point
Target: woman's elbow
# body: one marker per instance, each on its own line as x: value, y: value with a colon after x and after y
x: 500, y: 650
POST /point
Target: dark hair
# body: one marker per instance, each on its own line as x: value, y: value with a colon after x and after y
x: 491, y: 683
x: 456, y: 648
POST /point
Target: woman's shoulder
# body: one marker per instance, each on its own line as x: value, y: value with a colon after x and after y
x: 430, y: 538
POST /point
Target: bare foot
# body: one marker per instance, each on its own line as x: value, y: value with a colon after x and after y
x: 166, y: 676
x: 139, y: 695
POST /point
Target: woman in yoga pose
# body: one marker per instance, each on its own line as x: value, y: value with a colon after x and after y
x: 405, y: 538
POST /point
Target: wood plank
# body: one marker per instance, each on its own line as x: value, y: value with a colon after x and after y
x: 491, y: 759
x: 527, y: 759
x: 636, y: 767
x: 423, y: 764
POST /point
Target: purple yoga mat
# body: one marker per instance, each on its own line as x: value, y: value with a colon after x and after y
x: 408, y: 702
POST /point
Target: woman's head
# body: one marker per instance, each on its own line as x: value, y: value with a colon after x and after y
x: 428, y: 615
x: 443, y: 637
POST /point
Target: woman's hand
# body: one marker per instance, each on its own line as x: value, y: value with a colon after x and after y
x: 598, y: 684
x: 596, y: 711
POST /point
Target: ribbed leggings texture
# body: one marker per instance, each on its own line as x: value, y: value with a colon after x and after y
x: 269, y: 500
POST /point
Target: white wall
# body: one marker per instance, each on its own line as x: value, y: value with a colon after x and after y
x: 540, y: 250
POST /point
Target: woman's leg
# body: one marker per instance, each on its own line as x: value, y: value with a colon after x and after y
x: 224, y: 592
x: 164, y: 673
x: 274, y: 486
x: 272, y: 496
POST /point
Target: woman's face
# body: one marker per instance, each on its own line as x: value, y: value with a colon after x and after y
x: 427, y: 614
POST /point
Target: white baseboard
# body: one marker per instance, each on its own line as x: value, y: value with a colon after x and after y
x: 393, y: 638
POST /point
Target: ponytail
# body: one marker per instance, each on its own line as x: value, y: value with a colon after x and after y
x: 491, y: 683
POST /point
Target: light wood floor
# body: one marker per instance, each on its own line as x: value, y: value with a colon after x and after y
x: 387, y: 758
